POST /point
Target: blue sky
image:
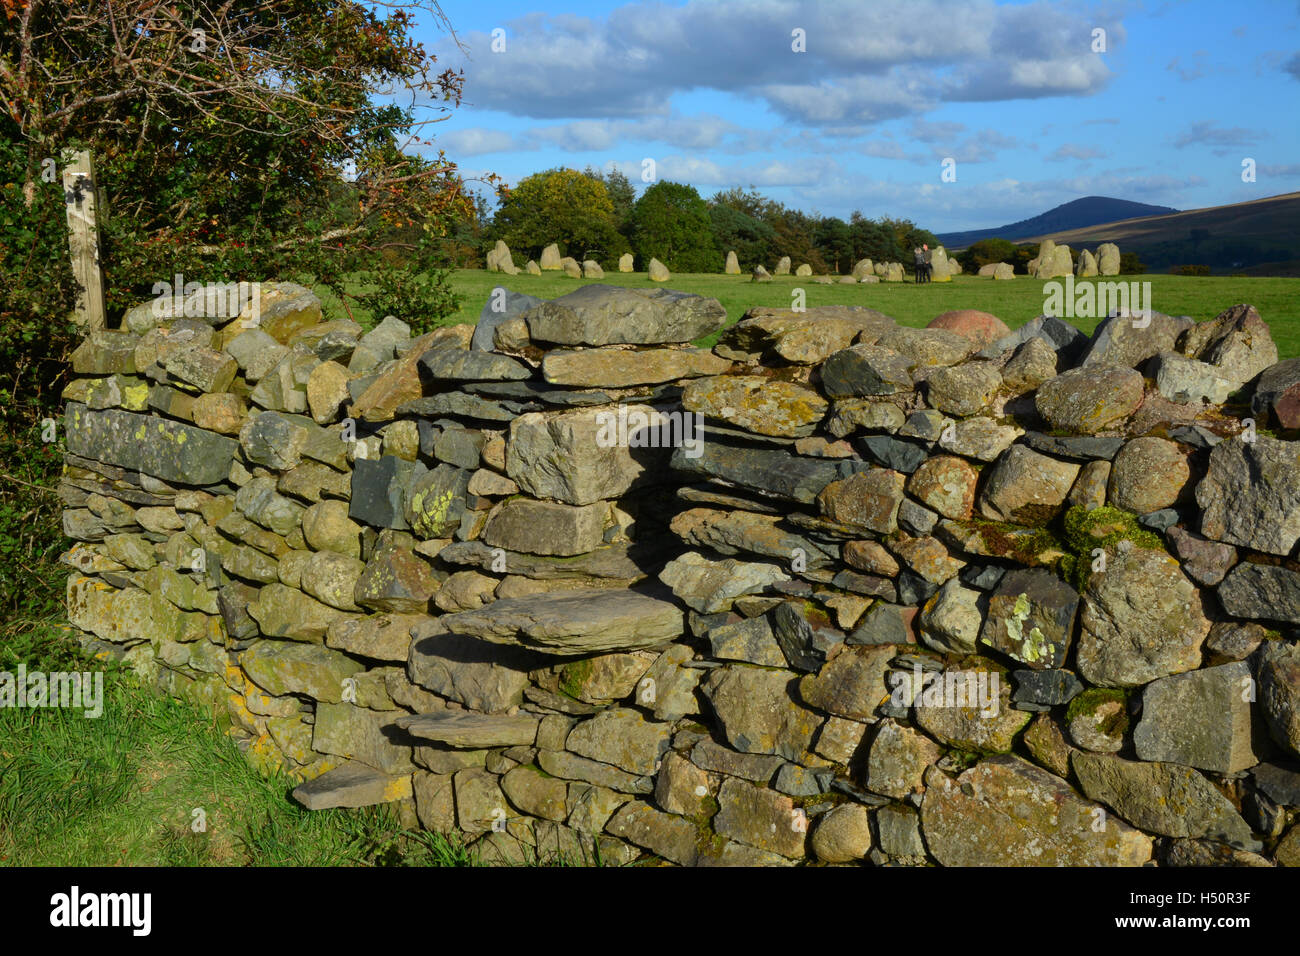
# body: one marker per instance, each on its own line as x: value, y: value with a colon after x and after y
x: 715, y: 94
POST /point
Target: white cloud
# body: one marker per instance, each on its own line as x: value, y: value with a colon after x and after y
x: 862, y: 64
x: 1074, y: 151
x: 476, y: 141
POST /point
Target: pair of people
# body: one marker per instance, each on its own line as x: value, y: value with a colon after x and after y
x: 921, y: 255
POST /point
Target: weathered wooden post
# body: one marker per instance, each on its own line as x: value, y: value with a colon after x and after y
x: 83, y: 238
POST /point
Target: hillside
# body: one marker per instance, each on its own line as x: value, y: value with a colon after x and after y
x: 1260, y: 237
x: 1076, y: 214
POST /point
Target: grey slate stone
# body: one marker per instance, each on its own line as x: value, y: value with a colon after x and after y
x: 379, y: 490
x: 166, y: 449
x: 499, y: 309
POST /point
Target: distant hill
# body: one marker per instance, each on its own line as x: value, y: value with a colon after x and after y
x: 1089, y: 211
x: 1260, y: 237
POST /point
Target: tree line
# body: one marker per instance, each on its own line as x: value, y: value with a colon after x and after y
x: 595, y: 215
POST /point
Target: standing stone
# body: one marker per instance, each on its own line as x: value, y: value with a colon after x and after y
x: 1053, y: 261
x: 657, y: 271
x: 1108, y: 259
x: 803, y: 270
x: 733, y: 264
x: 1004, y: 271
x: 782, y: 266
x: 504, y: 260
x: 1087, y: 266
x: 592, y: 270
x: 625, y: 262
x: 551, y: 258
x: 940, y: 270
x: 532, y: 268
x: 760, y: 275
x: 571, y: 268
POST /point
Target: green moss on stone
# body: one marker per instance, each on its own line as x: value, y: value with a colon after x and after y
x: 1087, y: 703
x: 574, y: 677
x: 1105, y: 527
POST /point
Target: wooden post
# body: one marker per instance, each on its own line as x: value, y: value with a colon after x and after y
x: 83, y: 238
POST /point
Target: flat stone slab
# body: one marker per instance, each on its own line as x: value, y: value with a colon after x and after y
x: 776, y: 473
x: 609, y: 315
x: 470, y: 731
x: 352, y: 785
x: 619, y: 369
x: 166, y: 449
x: 581, y: 621
x: 1076, y: 448
x: 457, y: 365
x: 611, y: 561
x: 1007, y: 812
x: 532, y: 391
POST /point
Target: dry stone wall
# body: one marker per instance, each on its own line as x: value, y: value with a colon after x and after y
x: 834, y: 590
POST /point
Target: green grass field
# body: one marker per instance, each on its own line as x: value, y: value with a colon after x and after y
x: 1015, y: 302
x: 121, y: 789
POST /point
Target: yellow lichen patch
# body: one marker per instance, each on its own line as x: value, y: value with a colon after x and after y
x: 397, y: 789
x: 1034, y: 646
x: 135, y: 396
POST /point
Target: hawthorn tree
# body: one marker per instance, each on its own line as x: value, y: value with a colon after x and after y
x: 670, y: 222
x: 252, y: 139
x: 562, y: 206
